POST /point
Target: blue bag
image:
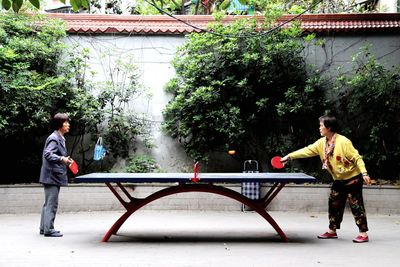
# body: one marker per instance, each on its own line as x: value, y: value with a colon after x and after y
x: 99, y: 150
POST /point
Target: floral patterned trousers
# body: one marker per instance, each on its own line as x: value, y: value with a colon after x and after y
x: 350, y: 190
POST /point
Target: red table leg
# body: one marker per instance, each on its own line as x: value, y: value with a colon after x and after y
x: 136, y: 203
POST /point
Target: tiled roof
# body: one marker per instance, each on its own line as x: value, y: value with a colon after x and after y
x: 136, y: 24
x: 351, y: 22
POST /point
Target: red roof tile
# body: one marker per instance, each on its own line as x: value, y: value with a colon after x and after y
x: 351, y: 22
x: 159, y: 24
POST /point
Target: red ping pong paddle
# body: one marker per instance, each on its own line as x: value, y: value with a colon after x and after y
x: 276, y: 162
x: 73, y: 167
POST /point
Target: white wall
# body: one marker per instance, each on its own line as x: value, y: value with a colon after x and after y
x: 338, y: 51
x: 389, y: 6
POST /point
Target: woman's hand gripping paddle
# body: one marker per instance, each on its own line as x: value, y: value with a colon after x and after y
x: 276, y: 162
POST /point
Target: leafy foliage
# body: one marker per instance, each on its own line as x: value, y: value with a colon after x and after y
x: 28, y: 60
x: 141, y: 164
x: 205, y: 7
x: 16, y: 5
x: 250, y: 94
x: 41, y: 76
x: 35, y: 84
x: 280, y: 7
x: 369, y: 103
x: 269, y: 8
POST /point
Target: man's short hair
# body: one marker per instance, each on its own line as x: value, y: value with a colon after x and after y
x: 58, y: 120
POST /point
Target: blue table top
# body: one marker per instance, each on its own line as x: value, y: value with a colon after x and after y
x: 265, y: 177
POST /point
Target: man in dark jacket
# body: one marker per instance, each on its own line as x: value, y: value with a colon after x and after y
x: 53, y: 173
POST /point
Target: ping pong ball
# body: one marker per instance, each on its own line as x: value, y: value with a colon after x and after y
x: 231, y: 152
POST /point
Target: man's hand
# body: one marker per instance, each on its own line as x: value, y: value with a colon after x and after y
x: 66, y: 160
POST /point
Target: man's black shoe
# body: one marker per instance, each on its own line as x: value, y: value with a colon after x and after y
x: 54, y: 234
x: 42, y: 232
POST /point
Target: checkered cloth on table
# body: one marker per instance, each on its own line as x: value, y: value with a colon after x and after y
x: 251, y: 190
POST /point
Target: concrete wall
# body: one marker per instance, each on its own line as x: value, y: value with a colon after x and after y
x: 297, y: 198
x: 337, y: 51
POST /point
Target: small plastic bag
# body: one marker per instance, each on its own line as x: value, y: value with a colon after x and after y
x: 99, y: 150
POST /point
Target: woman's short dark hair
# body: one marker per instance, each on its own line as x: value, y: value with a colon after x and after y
x: 58, y: 120
x: 329, y: 122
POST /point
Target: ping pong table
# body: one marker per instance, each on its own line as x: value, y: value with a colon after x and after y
x: 194, y: 182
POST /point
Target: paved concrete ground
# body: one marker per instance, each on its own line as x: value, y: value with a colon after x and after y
x: 195, y: 238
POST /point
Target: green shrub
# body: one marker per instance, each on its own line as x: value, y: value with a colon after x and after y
x: 36, y: 81
x: 369, y: 106
x: 250, y: 93
x: 141, y: 164
x: 39, y: 76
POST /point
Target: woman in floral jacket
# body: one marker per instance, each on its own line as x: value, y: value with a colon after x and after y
x: 344, y: 163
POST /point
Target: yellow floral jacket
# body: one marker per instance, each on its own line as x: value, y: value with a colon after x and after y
x: 346, y: 162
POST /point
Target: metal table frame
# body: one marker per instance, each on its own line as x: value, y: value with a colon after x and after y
x: 187, y: 182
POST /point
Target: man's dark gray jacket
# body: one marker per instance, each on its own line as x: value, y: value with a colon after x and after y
x: 54, y: 171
